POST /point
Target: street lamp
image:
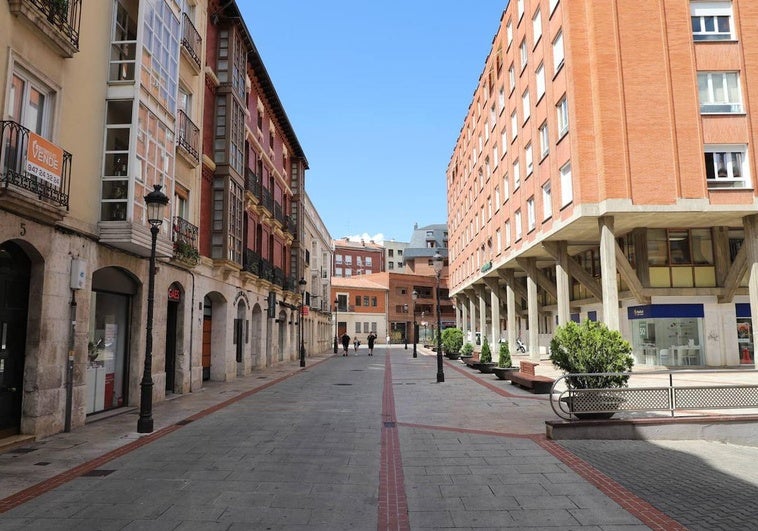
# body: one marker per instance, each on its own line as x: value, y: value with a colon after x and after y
x: 336, y: 322
x: 302, y: 284
x: 414, y: 296
x: 156, y: 201
x: 437, y: 264
x: 405, y: 338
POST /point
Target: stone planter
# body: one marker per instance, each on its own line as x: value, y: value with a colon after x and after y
x: 486, y: 367
x: 592, y: 405
x: 452, y: 355
x: 504, y: 373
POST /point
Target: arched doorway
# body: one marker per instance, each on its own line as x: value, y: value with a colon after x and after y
x: 256, y: 336
x: 282, y: 335
x: 207, y: 335
x: 108, y: 348
x: 15, y: 271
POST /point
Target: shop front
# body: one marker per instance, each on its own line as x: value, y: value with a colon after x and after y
x: 745, y: 334
x: 670, y: 335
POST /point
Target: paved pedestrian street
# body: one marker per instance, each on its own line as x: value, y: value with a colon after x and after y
x: 358, y: 442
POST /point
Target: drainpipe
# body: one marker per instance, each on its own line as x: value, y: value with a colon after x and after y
x: 70, y: 363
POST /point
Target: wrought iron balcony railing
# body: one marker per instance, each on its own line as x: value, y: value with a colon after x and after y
x: 185, y: 239
x: 64, y: 15
x: 14, y: 146
x: 191, y: 41
x: 258, y: 265
x: 268, y: 200
x: 188, y: 136
x: 279, y: 276
x: 253, y: 184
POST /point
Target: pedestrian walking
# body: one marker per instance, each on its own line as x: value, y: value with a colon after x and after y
x: 345, y: 343
x: 371, y: 339
x: 356, y: 343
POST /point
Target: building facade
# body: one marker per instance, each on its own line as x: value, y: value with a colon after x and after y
x: 317, y: 244
x: 357, y: 258
x: 393, y: 256
x: 166, y: 92
x: 360, y: 307
x: 606, y: 170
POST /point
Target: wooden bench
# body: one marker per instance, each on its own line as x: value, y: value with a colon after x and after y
x: 527, y: 379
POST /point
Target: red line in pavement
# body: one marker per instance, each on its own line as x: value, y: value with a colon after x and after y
x: 392, y: 512
x: 635, y: 505
x: 23, y: 496
x: 494, y: 388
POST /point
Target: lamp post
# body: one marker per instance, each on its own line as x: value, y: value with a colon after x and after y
x: 302, y: 284
x: 336, y: 323
x: 437, y: 264
x: 414, y: 296
x: 156, y: 201
x: 405, y: 338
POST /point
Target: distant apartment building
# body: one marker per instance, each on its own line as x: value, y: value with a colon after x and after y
x: 360, y: 307
x: 359, y: 257
x: 606, y: 169
x: 393, y: 256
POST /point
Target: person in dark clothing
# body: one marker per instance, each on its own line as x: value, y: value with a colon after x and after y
x: 345, y: 343
x: 371, y: 339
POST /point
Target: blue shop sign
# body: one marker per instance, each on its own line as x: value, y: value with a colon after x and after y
x: 743, y: 309
x: 663, y: 311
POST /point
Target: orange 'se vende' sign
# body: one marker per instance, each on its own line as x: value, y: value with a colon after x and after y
x: 44, y: 160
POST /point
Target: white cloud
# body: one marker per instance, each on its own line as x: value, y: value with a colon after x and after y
x: 377, y: 238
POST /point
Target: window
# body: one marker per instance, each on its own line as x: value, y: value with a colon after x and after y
x: 373, y: 299
x: 517, y: 222
x: 506, y: 188
x: 520, y: 9
x: 348, y: 272
x: 497, y: 197
x: 567, y: 190
x: 516, y: 174
x: 552, y: 5
x: 337, y: 258
x: 514, y: 126
x: 365, y: 300
x: 509, y: 33
x: 400, y: 252
x: 498, y: 241
x: 391, y: 265
x: 29, y: 102
x: 348, y: 260
x: 544, y: 140
x: 540, y: 81
x: 390, y: 252
x: 563, y: 118
x: 711, y: 21
x: 495, y: 156
x: 357, y: 300
x: 489, y: 207
x: 511, y: 78
x: 726, y: 166
x: 557, y: 52
x: 547, y: 201
x: 500, y: 101
x: 338, y: 271
x: 504, y: 139
x: 525, y: 105
x: 369, y: 261
x: 524, y: 54
x: 537, y: 27
x: 357, y: 328
x: 507, y: 234
x: 530, y: 216
x: 719, y: 92
x: 529, y: 159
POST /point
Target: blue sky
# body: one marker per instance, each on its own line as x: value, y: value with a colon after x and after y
x: 376, y: 93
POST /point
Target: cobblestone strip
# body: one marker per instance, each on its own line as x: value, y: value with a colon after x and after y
x: 393, y: 505
x: 636, y: 506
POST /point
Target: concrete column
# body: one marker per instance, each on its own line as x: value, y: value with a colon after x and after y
x: 494, y: 287
x: 510, y: 303
x: 563, y: 284
x: 472, y: 319
x: 464, y: 316
x: 533, y: 316
x: 457, y: 309
x: 608, y: 272
x: 482, y: 313
x: 751, y: 241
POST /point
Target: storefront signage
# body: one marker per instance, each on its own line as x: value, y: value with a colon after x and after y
x: 743, y: 309
x: 174, y: 294
x: 304, y: 310
x: 44, y: 160
x: 662, y: 311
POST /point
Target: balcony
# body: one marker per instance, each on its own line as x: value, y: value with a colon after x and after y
x: 258, y: 266
x: 184, y: 236
x: 27, y: 188
x: 57, y: 21
x: 188, y: 138
x: 192, y: 44
x: 253, y: 184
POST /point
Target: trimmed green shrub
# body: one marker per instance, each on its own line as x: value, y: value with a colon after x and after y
x: 590, y: 347
x: 452, y: 340
x: 504, y: 355
x: 467, y: 349
x: 486, y: 355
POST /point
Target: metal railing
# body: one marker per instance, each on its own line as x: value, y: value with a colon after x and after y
x: 188, y: 136
x: 657, y: 393
x: 65, y: 15
x: 191, y: 40
x: 14, y: 141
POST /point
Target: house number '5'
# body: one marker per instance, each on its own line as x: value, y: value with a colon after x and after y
x: 22, y: 232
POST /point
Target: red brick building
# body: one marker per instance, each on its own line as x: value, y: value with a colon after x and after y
x: 357, y: 258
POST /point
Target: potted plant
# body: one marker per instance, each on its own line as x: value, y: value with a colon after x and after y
x: 485, y: 364
x: 586, y: 349
x: 504, y: 369
x: 452, y: 341
x: 467, y: 352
